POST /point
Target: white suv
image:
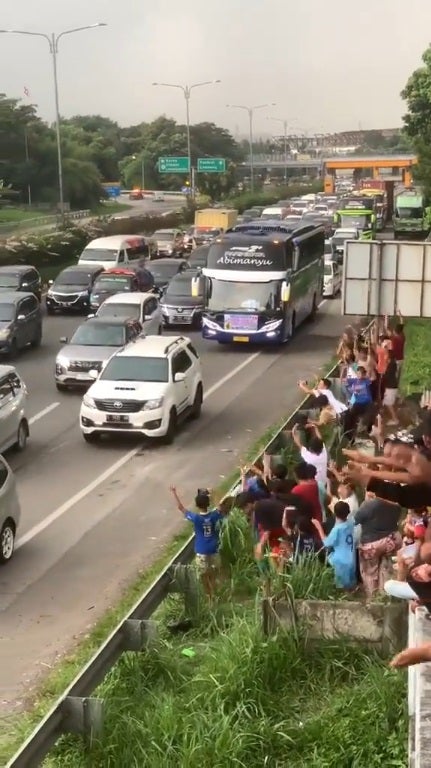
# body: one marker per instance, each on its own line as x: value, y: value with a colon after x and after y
x: 146, y: 389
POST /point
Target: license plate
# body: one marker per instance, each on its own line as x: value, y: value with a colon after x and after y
x: 240, y: 338
x: 81, y: 376
x: 62, y: 303
x: 117, y: 418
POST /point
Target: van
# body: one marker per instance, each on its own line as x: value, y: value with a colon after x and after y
x: 331, y: 279
x: 14, y: 429
x: 275, y: 212
x: 115, y: 251
x: 10, y: 512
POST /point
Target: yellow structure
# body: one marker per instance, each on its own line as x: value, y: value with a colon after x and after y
x: 388, y: 167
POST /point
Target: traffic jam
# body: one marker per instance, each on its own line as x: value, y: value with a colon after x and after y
x: 125, y: 291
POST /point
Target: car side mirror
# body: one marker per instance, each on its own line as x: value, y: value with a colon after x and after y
x: 50, y: 282
x: 93, y: 374
x: 179, y: 377
x: 63, y: 339
x: 20, y: 318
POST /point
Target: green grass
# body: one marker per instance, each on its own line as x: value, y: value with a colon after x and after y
x: 106, y: 209
x: 244, y: 699
x: 12, y: 215
x: 416, y: 370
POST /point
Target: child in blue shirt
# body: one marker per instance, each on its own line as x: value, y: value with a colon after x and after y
x: 340, y: 542
x: 206, y: 525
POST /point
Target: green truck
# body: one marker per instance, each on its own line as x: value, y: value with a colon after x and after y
x: 410, y: 219
x: 355, y: 215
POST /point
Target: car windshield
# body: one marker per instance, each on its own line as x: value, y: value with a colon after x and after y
x: 109, y: 309
x: 76, y: 277
x: 247, y: 297
x: 328, y: 270
x: 125, y: 368
x: 8, y: 281
x: 182, y: 286
x: 164, y: 235
x: 274, y: 216
x: 404, y: 213
x: 98, y: 254
x: 7, y: 313
x: 163, y: 271
x: 113, y: 283
x: 92, y: 335
x: 360, y: 221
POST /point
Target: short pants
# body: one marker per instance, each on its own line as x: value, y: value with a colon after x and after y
x: 207, y: 563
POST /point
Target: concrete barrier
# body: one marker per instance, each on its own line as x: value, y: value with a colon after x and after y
x: 382, y: 626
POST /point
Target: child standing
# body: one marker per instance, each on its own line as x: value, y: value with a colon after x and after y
x: 206, y: 524
x: 340, y: 541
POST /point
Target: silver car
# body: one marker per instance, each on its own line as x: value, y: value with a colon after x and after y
x: 10, y: 512
x: 90, y: 347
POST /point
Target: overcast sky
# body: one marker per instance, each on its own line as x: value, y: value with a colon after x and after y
x: 329, y: 66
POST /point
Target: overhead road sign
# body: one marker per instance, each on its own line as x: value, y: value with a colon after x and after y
x: 211, y: 165
x: 174, y: 165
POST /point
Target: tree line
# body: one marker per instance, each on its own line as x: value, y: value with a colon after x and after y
x: 417, y: 120
x: 97, y: 150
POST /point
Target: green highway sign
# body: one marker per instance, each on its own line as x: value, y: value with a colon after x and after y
x: 211, y: 165
x: 174, y: 165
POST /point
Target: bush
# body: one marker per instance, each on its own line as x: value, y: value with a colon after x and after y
x: 56, y: 249
x: 249, y: 199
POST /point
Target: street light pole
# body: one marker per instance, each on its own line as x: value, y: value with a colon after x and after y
x: 187, y: 89
x: 53, y: 41
x: 284, y: 124
x: 250, y: 111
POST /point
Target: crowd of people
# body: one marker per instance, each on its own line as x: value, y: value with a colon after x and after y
x: 367, y: 517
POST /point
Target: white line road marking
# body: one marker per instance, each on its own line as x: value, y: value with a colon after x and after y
x: 43, y: 413
x: 230, y: 375
x: 106, y: 475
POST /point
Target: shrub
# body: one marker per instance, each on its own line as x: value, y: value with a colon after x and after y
x: 58, y: 248
x: 249, y: 199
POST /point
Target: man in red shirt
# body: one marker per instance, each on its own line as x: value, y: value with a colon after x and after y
x: 306, y: 487
x: 398, y: 340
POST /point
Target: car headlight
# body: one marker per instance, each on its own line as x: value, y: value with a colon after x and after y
x: 88, y: 401
x: 152, y: 405
x: 62, y: 361
x: 5, y: 333
x: 83, y: 293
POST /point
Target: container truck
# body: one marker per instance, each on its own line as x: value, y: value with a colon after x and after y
x: 220, y: 218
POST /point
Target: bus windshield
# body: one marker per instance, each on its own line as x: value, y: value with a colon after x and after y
x: 358, y: 221
x: 249, y: 297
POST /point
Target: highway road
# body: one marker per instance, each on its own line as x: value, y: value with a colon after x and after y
x: 93, y: 515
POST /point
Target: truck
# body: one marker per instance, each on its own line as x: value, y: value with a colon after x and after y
x: 357, y: 213
x: 217, y: 218
x: 410, y: 219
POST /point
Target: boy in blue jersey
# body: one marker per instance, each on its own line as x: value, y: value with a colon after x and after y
x: 340, y: 542
x: 206, y: 524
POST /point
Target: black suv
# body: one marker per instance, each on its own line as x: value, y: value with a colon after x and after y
x: 71, y: 289
x: 21, y: 277
x: 20, y: 321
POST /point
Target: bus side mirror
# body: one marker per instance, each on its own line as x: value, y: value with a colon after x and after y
x: 195, y: 287
x: 285, y: 292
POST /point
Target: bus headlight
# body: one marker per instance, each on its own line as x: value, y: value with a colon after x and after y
x: 272, y: 326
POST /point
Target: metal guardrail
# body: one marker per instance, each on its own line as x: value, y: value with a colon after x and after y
x: 419, y: 694
x: 54, y: 221
x: 75, y: 711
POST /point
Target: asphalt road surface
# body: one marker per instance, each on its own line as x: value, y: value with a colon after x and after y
x: 93, y: 515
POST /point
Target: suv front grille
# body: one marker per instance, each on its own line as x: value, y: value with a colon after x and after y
x: 120, y: 406
x: 84, y: 365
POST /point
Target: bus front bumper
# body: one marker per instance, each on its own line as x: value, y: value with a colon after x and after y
x: 270, y: 335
